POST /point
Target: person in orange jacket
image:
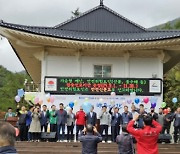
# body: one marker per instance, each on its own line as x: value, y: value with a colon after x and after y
x: 80, y: 121
x: 146, y: 137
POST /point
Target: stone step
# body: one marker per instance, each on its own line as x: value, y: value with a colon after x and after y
x: 75, y: 148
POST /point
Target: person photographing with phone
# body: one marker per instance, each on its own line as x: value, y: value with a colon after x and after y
x: 90, y: 138
x: 147, y: 136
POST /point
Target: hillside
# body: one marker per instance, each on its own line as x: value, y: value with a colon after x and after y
x: 174, y: 24
x: 9, y: 84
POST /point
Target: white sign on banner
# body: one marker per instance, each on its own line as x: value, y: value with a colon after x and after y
x: 51, y: 84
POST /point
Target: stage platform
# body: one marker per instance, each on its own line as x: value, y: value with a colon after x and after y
x: 75, y: 148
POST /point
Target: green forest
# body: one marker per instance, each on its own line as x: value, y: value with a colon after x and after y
x: 10, y: 82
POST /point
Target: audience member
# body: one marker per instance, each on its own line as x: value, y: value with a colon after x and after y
x: 90, y: 138
x: 125, y: 142
x: 147, y: 137
x: 7, y: 138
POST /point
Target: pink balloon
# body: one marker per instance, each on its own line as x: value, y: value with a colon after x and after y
x: 36, y: 100
x: 52, y: 99
x: 17, y: 99
x: 146, y: 100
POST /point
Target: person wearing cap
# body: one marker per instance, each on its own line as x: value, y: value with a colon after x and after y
x: 105, y: 120
x: 153, y: 114
x: 116, y: 121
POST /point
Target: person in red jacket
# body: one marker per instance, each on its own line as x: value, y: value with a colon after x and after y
x: 146, y: 137
x: 80, y: 121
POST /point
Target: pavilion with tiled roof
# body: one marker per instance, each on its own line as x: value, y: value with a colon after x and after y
x: 99, y: 32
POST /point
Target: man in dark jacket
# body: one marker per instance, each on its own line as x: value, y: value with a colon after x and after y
x: 125, y: 142
x: 7, y: 138
x: 168, y: 118
x: 91, y: 117
x: 153, y: 114
x: 126, y: 116
x: 116, y: 121
x: 89, y: 140
x: 177, y: 125
x: 61, y: 121
x: 44, y: 118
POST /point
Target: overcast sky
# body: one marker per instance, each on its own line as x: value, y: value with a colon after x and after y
x: 146, y: 13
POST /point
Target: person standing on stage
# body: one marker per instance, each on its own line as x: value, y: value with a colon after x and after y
x: 70, y: 124
x: 126, y: 116
x: 105, y: 120
x: 177, y: 125
x: 80, y: 121
x: 91, y: 117
x: 44, y: 118
x: 61, y: 122
x: 168, y: 118
x: 116, y: 121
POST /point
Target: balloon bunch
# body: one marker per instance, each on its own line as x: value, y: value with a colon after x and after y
x: 50, y: 98
x: 20, y: 94
x: 86, y: 106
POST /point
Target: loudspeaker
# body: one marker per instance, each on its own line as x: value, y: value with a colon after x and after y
x: 164, y: 138
x: 50, y: 135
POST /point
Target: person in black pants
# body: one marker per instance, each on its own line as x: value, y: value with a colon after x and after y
x: 22, y: 114
x: 70, y: 124
x: 177, y: 125
x: 116, y: 120
x: 105, y: 119
x: 168, y: 118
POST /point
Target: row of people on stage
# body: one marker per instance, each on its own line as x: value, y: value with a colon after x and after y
x: 34, y: 121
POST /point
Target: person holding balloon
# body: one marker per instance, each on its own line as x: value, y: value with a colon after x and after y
x: 161, y: 117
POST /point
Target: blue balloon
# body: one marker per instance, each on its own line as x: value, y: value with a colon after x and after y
x: 174, y: 100
x: 153, y: 99
x: 71, y: 104
x: 21, y: 92
x: 86, y: 107
x: 137, y: 100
